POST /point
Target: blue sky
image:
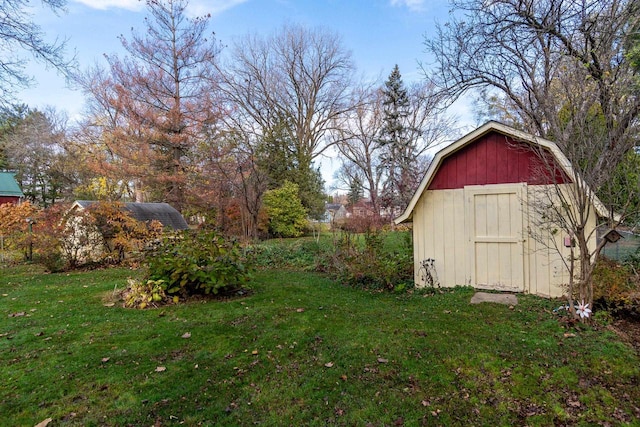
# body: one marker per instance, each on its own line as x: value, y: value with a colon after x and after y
x: 379, y: 33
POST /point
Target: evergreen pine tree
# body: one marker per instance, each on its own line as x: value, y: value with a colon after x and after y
x: 399, y: 150
x: 356, y: 191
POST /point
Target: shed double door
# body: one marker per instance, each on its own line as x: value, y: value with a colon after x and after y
x: 494, y: 226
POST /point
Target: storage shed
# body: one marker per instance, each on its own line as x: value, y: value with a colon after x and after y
x: 88, y: 244
x: 472, y: 215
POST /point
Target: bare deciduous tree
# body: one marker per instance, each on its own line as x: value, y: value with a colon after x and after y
x: 357, y: 143
x: 36, y: 150
x: 18, y: 34
x: 296, y: 83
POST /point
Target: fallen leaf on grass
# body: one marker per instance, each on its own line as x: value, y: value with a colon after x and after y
x: 574, y: 403
x: 381, y: 360
x: 328, y: 365
x: 254, y: 352
x: 186, y: 335
x: 161, y: 369
x: 43, y: 423
x: 105, y: 359
x: 300, y: 310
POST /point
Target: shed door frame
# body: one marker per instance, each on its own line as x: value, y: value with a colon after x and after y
x: 518, y: 239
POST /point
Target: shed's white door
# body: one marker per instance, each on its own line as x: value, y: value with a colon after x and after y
x: 494, y: 226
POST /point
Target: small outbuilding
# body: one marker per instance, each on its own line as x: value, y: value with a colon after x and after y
x: 86, y: 243
x: 10, y: 191
x: 473, y: 218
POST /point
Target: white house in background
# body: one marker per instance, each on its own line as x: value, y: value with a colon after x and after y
x: 471, y: 216
x: 334, y: 213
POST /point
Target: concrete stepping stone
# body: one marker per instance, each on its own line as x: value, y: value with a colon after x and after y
x: 507, y: 299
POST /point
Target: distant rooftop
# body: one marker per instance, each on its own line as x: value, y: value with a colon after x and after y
x: 163, y: 212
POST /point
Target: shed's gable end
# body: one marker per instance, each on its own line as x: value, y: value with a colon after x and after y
x: 495, y: 158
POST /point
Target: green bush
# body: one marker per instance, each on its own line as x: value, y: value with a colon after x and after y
x: 197, y: 263
x: 372, y: 260
x: 287, y: 215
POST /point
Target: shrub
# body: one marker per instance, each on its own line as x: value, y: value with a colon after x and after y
x: 357, y: 224
x: 14, y: 226
x: 36, y: 232
x: 301, y: 254
x: 192, y: 263
x: 287, y: 215
x: 143, y: 294
x: 372, y: 266
x: 616, y: 288
x: 48, y: 239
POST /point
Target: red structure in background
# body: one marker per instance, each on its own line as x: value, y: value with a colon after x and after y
x: 497, y: 159
x: 8, y: 199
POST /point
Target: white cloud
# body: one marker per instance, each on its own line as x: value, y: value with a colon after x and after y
x: 215, y: 7
x: 196, y: 8
x: 113, y: 4
x: 414, y: 5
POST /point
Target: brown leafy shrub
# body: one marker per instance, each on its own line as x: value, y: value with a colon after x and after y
x: 14, y: 226
x: 48, y: 239
x: 616, y: 288
x: 122, y: 234
x: 363, y: 224
x: 145, y: 294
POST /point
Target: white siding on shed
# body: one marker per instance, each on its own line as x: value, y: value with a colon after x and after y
x: 483, y: 236
x: 440, y: 235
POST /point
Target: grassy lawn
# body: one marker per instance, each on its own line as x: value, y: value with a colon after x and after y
x: 301, y: 350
